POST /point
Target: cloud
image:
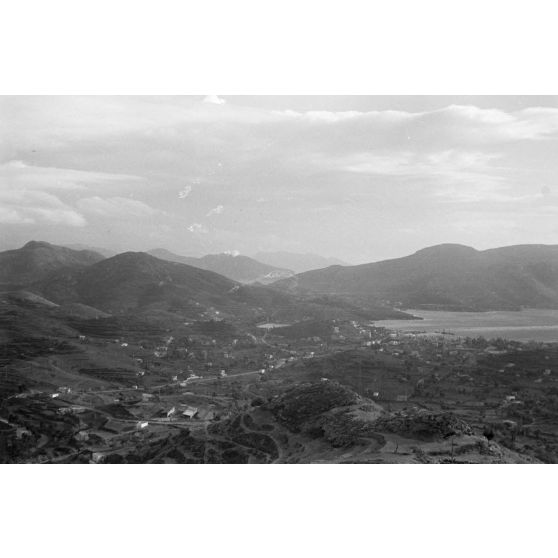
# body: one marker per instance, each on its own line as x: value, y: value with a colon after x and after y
x: 11, y: 216
x: 197, y: 228
x: 17, y: 174
x: 215, y: 211
x: 333, y: 117
x: 115, y: 207
x: 458, y: 122
x: 450, y: 163
x: 25, y: 207
x: 214, y: 100
x: 185, y: 192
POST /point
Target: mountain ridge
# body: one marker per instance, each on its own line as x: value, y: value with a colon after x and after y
x: 446, y: 276
x: 236, y: 267
x: 37, y: 259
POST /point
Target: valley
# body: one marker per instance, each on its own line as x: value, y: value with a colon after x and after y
x: 134, y: 359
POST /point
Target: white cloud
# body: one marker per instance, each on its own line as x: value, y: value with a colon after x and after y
x: 450, y: 163
x: 115, y: 207
x: 17, y: 174
x: 214, y: 100
x: 215, y: 211
x: 185, y: 192
x: 25, y: 207
x: 11, y: 216
x: 197, y: 228
x: 465, y: 122
x: 333, y: 117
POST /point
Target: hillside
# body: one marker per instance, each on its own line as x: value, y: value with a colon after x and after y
x: 448, y: 276
x: 106, y: 252
x: 134, y: 280
x: 37, y: 260
x: 299, y: 263
x: 238, y: 268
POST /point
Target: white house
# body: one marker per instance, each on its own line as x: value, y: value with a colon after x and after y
x: 190, y: 412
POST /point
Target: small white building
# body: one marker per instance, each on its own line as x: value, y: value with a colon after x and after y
x: 190, y: 412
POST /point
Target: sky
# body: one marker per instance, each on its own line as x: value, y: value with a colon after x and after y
x: 360, y: 178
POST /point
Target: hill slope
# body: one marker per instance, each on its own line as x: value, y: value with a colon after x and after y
x: 36, y: 260
x: 448, y: 276
x: 237, y: 268
x: 299, y: 263
x: 134, y: 280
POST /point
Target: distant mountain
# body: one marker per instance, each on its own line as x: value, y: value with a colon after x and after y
x: 448, y: 276
x: 37, y: 260
x: 136, y: 282
x: 299, y: 263
x: 103, y: 251
x: 163, y: 254
x: 238, y: 268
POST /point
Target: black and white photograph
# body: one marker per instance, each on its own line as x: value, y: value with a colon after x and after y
x: 278, y: 279
x: 284, y: 279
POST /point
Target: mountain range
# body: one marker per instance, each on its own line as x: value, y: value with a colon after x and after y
x: 447, y: 276
x: 36, y: 260
x: 137, y: 282
x: 236, y: 267
x: 299, y: 263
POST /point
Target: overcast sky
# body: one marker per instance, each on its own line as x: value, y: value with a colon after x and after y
x: 358, y: 178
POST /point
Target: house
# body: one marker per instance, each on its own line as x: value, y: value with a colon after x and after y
x: 142, y: 425
x: 147, y: 396
x: 97, y: 457
x: 190, y: 412
x: 171, y: 412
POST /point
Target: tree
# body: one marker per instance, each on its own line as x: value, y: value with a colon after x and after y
x: 488, y: 433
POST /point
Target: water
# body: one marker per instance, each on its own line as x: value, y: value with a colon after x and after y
x: 525, y: 325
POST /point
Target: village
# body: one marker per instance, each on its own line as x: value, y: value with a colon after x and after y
x: 149, y: 388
